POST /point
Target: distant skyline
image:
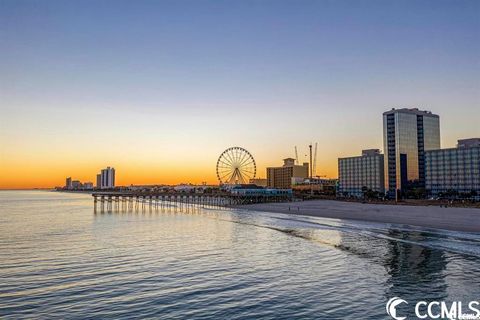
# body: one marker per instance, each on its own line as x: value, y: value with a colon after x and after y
x: 158, y: 89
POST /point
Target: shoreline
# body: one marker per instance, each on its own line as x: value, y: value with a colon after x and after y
x: 75, y: 191
x: 451, y: 218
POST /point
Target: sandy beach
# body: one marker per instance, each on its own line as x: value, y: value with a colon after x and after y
x: 458, y: 219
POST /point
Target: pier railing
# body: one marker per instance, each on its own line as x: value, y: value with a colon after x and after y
x: 113, y: 201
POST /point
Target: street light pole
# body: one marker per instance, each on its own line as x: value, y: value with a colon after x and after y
x: 311, y: 170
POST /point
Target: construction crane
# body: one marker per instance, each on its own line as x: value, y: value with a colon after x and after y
x: 296, y: 155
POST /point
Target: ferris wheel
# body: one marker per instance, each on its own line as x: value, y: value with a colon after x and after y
x: 236, y: 166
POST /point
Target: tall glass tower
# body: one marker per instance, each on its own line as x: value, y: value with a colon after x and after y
x: 407, y: 134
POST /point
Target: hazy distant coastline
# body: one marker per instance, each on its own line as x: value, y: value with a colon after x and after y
x: 75, y: 191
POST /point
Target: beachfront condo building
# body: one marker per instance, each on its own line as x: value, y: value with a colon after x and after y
x: 107, y: 178
x: 68, y: 183
x: 454, y: 171
x: 281, y: 177
x: 361, y: 174
x: 407, y: 135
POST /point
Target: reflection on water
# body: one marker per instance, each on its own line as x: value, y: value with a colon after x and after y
x: 59, y: 260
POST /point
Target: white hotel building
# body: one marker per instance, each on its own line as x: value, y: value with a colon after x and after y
x: 454, y: 169
x: 357, y: 173
x: 106, y: 178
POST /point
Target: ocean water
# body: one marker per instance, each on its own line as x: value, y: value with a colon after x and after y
x: 60, y: 260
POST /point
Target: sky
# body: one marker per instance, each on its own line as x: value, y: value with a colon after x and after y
x: 158, y: 89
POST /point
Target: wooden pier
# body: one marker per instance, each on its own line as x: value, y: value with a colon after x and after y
x: 126, y: 201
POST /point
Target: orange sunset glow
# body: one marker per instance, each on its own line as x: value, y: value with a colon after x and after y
x: 44, y: 158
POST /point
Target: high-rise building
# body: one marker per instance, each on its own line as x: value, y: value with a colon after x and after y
x: 68, y: 183
x: 362, y: 173
x: 99, y: 181
x: 76, y: 184
x: 107, y: 178
x: 281, y: 177
x: 454, y: 170
x: 407, y: 134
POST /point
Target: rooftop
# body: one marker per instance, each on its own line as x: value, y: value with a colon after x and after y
x: 370, y: 152
x: 468, y: 143
x: 411, y: 111
x: 462, y: 144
